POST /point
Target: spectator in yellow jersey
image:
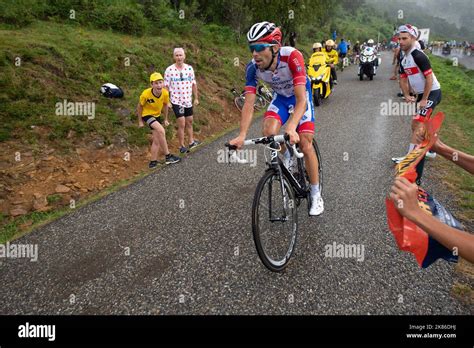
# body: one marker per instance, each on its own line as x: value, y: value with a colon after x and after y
x: 152, y: 102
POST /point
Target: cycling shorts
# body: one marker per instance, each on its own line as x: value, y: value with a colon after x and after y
x: 281, y: 107
x: 423, y: 115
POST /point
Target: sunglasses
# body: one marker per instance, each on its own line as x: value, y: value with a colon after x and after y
x: 181, y: 76
x: 259, y: 47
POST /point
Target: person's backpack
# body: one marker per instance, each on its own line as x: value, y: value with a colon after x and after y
x: 109, y: 90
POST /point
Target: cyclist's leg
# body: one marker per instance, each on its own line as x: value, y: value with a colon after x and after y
x: 434, y: 98
x: 275, y: 116
x: 306, y: 133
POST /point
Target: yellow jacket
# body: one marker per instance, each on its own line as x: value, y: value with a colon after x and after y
x: 333, y: 56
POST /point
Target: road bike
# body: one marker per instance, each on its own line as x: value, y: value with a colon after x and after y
x: 263, y: 97
x: 278, y: 195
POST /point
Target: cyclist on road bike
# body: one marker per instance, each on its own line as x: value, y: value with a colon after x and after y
x: 284, y: 70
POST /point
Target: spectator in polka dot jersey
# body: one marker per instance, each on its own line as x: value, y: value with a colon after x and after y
x: 181, y: 84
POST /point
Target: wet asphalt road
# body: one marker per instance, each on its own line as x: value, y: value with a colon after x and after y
x: 191, y: 251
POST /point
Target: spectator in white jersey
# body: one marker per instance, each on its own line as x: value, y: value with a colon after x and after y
x: 181, y: 84
x: 415, y: 71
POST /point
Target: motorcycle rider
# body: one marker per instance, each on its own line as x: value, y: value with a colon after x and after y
x: 333, y: 58
x: 371, y: 43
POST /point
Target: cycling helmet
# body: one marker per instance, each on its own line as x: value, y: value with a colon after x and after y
x: 317, y: 45
x: 264, y: 32
x: 370, y: 41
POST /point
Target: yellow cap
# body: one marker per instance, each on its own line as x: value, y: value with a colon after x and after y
x: 155, y: 76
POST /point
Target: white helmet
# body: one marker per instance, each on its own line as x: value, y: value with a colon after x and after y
x: 370, y: 41
x: 260, y: 30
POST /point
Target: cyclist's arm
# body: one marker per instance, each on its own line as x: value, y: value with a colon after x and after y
x: 247, y: 114
x: 250, y: 96
x: 404, y: 82
x: 296, y: 65
x: 424, y: 64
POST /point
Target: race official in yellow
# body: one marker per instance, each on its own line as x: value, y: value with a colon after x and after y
x: 333, y: 58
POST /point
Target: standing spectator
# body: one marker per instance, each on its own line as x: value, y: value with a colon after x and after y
x: 152, y: 101
x: 181, y: 84
x: 396, y: 62
x: 415, y: 71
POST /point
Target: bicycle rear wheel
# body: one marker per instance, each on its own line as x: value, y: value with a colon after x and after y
x: 274, y: 221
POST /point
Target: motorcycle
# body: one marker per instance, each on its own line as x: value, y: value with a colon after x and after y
x: 319, y: 73
x: 368, y: 63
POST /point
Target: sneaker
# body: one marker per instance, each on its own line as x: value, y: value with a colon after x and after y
x: 289, y: 163
x: 153, y: 164
x: 335, y: 82
x: 183, y: 149
x: 398, y: 159
x: 431, y: 154
x: 317, y: 205
x: 194, y: 144
x: 172, y: 159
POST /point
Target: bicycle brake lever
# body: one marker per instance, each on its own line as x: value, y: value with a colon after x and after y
x: 297, y: 154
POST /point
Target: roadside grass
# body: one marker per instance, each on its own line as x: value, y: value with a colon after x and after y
x: 458, y: 129
x: 46, y: 63
x: 458, y: 132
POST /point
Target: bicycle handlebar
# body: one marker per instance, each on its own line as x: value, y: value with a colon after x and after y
x: 281, y: 138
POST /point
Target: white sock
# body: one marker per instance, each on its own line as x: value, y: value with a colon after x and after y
x: 287, y: 154
x: 315, y: 190
x: 411, y: 147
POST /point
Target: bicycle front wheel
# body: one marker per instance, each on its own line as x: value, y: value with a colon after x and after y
x: 274, y: 221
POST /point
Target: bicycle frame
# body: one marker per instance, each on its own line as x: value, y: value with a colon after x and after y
x: 277, y: 165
